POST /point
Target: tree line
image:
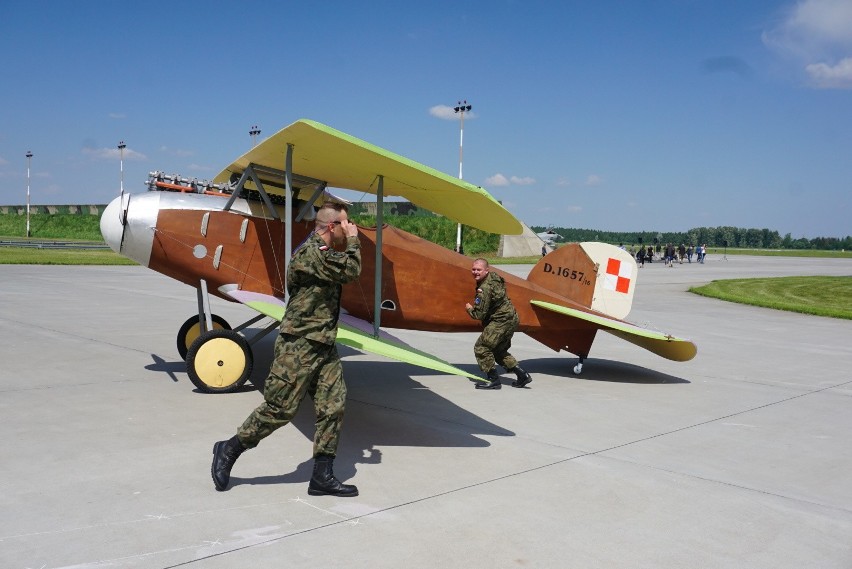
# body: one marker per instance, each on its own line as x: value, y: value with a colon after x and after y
x: 721, y: 236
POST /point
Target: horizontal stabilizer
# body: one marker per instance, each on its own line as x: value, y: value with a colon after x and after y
x: 665, y: 345
x: 352, y: 332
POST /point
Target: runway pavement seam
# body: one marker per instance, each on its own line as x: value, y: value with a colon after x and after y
x: 370, y: 514
x: 148, y: 518
x: 728, y: 416
x: 527, y: 471
x: 78, y: 336
x: 738, y: 486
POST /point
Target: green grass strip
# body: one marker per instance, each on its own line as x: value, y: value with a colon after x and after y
x: 34, y: 256
x: 821, y: 296
x: 719, y: 251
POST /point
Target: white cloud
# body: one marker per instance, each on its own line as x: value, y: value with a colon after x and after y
x: 199, y: 168
x: 113, y: 154
x: 117, y: 116
x: 563, y: 182
x: 3, y: 161
x: 525, y: 181
x: 816, y: 35
x: 497, y: 180
x: 449, y: 113
x: 177, y: 152
x: 832, y: 77
x: 593, y: 180
x: 574, y: 209
x: 501, y: 180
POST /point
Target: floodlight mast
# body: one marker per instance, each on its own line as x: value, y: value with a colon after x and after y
x: 254, y: 132
x: 121, y: 147
x: 29, y: 157
x: 460, y: 109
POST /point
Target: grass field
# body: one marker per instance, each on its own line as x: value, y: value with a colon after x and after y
x: 781, y: 252
x: 821, y: 296
x: 32, y: 256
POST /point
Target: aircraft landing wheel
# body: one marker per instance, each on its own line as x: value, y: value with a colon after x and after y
x: 578, y: 369
x: 191, y: 329
x: 219, y: 361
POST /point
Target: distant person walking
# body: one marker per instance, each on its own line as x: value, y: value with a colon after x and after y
x: 640, y: 256
x: 670, y: 253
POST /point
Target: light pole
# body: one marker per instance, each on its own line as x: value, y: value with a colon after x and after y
x: 254, y: 132
x: 29, y: 157
x: 121, y: 147
x: 460, y: 109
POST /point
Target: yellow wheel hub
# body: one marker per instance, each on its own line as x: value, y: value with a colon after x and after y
x: 220, y: 362
x: 195, y: 331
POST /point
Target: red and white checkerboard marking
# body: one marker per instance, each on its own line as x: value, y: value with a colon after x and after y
x: 618, y: 276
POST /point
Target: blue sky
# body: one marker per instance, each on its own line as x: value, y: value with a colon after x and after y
x: 647, y: 115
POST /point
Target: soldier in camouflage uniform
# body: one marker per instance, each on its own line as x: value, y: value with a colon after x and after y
x: 500, y: 320
x: 306, y: 359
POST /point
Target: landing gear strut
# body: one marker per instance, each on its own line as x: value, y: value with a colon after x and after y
x: 218, y: 359
x: 578, y: 369
x: 193, y: 328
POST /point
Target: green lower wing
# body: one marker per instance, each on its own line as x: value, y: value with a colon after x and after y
x: 349, y: 336
x: 353, y: 337
x: 665, y: 345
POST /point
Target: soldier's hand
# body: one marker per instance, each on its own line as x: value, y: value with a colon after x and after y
x: 349, y: 228
x: 468, y: 306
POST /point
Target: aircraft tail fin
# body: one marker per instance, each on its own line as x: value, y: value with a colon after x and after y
x: 596, y: 275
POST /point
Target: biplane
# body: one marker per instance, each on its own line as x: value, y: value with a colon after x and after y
x: 232, y: 238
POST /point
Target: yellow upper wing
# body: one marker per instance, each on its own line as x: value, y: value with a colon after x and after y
x: 344, y: 161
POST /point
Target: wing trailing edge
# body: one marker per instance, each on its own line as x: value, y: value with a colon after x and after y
x: 352, y: 332
x: 665, y: 345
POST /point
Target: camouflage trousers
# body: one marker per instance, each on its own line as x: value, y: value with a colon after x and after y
x: 493, y: 345
x: 300, y: 367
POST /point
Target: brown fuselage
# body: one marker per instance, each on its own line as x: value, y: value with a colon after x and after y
x: 425, y: 285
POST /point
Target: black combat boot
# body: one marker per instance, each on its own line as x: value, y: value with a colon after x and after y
x: 493, y: 381
x: 323, y: 482
x: 523, y: 377
x: 225, y: 454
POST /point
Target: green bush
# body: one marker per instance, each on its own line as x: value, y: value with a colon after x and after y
x: 57, y: 226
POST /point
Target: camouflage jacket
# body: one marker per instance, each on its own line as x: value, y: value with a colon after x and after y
x: 315, y: 278
x: 491, y: 303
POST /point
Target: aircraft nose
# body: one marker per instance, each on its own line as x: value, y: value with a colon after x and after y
x: 112, y: 227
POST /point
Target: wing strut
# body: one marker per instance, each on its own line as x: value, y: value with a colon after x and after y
x: 377, y: 291
x: 250, y: 173
x: 288, y: 215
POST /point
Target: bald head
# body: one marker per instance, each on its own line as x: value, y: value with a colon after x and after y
x: 479, y: 270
